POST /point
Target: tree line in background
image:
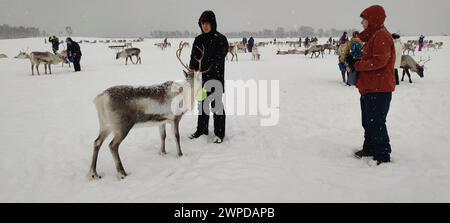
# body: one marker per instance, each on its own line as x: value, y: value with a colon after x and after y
x: 279, y: 32
x: 11, y: 32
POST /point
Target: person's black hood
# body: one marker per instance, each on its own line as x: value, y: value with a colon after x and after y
x: 208, y: 16
x: 68, y: 39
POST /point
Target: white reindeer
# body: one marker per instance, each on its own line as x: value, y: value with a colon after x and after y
x: 128, y: 53
x: 121, y: 108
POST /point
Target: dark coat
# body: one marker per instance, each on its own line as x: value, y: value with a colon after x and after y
x: 55, y: 42
x: 216, y: 49
x: 73, y: 48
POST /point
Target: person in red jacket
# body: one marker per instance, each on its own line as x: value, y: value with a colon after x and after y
x: 376, y: 82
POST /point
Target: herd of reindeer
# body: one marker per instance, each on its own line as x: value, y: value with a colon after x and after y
x: 121, y: 108
x: 126, y: 51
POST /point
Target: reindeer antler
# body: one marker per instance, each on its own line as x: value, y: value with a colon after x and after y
x: 429, y: 58
x: 202, y: 51
x: 424, y: 61
x: 178, y: 53
x: 180, y: 49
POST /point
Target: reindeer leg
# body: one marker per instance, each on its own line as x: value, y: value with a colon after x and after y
x: 50, y: 68
x: 176, y: 133
x: 403, y: 74
x: 131, y: 58
x: 37, y: 68
x: 409, y: 76
x: 32, y: 69
x: 114, y: 148
x: 97, y: 145
x: 162, y: 134
x: 126, y: 60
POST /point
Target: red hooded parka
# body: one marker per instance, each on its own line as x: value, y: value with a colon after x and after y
x: 376, y: 69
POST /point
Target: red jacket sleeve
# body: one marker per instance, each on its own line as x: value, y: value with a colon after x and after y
x: 381, y: 55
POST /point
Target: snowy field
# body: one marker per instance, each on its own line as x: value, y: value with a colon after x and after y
x: 48, y: 124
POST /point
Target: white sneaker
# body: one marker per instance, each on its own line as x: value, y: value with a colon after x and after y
x: 217, y: 140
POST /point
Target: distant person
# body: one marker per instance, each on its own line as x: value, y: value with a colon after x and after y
x: 421, y: 42
x: 165, y: 41
x: 307, y: 41
x: 250, y: 44
x: 300, y: 41
x: 343, y: 38
x: 398, y: 55
x: 330, y: 40
x: 351, y: 53
x: 55, y: 43
x: 244, y: 41
x: 74, y: 53
x: 376, y: 82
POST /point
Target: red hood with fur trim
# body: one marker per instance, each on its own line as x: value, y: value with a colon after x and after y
x: 376, y: 69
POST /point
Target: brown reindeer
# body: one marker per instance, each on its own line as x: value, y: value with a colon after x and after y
x: 46, y: 58
x: 315, y: 50
x: 232, y: 49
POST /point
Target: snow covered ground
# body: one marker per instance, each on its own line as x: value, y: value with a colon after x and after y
x: 48, y: 124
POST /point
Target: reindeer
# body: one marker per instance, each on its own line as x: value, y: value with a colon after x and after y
x: 431, y: 45
x: 315, y: 49
x: 439, y: 45
x: 46, y: 58
x: 232, y: 48
x: 255, y: 54
x: 121, y: 108
x: 292, y: 51
x: 279, y: 52
x: 64, y: 55
x: 241, y: 47
x: 162, y: 46
x: 329, y: 47
x: 128, y: 53
x: 408, y: 63
x: 409, y: 47
x: 3, y: 56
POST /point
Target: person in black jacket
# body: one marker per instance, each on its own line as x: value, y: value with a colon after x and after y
x: 215, y: 47
x: 55, y: 43
x: 250, y: 44
x: 74, y: 52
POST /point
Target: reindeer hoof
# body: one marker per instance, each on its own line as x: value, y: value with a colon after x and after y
x: 93, y: 176
x: 122, y: 175
x: 180, y: 155
x: 162, y: 153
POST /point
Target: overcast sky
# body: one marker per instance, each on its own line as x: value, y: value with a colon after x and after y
x: 110, y: 18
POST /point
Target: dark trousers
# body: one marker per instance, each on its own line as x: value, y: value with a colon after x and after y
x: 374, y: 110
x: 76, y: 63
x: 249, y: 47
x: 397, y: 82
x: 218, y: 115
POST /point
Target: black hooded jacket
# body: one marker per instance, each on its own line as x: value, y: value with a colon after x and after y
x: 216, y: 49
x: 73, y: 48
